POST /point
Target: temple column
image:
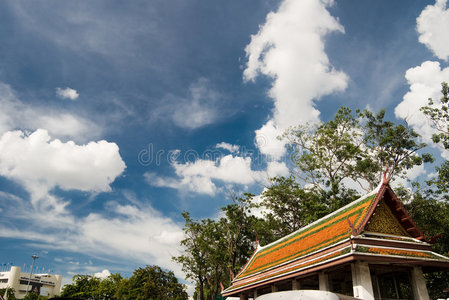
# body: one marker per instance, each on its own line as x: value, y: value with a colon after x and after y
x: 296, y: 285
x: 274, y: 288
x: 361, y: 281
x: 255, y: 294
x: 419, y: 284
x: 243, y: 297
x: 323, y: 280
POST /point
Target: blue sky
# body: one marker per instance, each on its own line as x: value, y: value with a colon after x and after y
x: 117, y: 116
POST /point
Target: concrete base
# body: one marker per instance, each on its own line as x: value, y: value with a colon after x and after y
x: 323, y: 279
x: 361, y: 281
x: 419, y: 284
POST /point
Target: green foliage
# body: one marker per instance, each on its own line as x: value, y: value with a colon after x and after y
x: 290, y: 207
x: 438, y: 114
x: 329, y: 152
x: 213, y: 249
x: 9, y: 293
x: 397, y: 145
x: 353, y: 148
x: 430, y: 214
x: 151, y: 283
x: 34, y: 296
x: 84, y: 286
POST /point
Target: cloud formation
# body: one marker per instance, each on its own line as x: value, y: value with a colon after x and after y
x: 67, y: 93
x: 231, y: 148
x: 202, y: 175
x: 198, y: 108
x: 425, y: 82
x: 60, y: 123
x: 432, y: 26
x: 130, y: 233
x: 41, y: 164
x: 289, y: 48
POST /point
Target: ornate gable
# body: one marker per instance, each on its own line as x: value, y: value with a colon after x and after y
x: 384, y: 221
x: 387, y: 215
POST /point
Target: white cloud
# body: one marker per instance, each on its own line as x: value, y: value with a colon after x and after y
x: 231, y: 148
x: 432, y: 26
x: 125, y: 233
x: 40, y: 164
x: 198, y: 108
x: 289, y: 48
x: 103, y: 274
x: 425, y: 82
x: 67, y: 93
x: 17, y: 115
x: 268, y: 142
x: 202, y: 175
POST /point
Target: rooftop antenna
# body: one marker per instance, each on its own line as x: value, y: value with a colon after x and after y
x: 34, y: 256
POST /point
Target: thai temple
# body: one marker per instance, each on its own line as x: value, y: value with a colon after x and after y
x: 369, y: 249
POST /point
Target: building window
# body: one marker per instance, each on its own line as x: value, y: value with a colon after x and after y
x: 340, y: 281
x: 309, y: 283
x: 391, y: 283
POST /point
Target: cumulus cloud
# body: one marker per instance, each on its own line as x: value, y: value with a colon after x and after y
x: 198, y: 108
x: 231, y: 148
x: 432, y: 26
x: 201, y: 176
x: 425, y: 82
x: 103, y: 274
x: 17, y: 115
x: 67, y: 93
x: 40, y: 164
x: 289, y: 48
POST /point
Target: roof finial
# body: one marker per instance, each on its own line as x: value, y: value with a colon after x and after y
x: 385, y: 181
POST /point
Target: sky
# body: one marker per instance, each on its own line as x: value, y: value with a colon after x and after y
x: 116, y: 116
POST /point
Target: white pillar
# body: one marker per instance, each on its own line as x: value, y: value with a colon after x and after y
x: 419, y: 284
x: 323, y: 280
x: 361, y: 281
x: 296, y: 285
x: 57, y: 288
x: 14, y: 279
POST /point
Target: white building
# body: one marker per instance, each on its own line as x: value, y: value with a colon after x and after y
x: 44, y: 284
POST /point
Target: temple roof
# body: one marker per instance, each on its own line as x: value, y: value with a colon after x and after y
x: 374, y: 226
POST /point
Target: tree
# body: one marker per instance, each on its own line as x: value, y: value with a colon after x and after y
x: 438, y: 114
x: 430, y: 206
x: 151, y: 283
x: 215, y: 249
x: 290, y: 207
x: 9, y: 293
x: 353, y: 148
x: 83, y: 287
x: 197, y: 247
x: 34, y: 296
x: 397, y: 145
x: 327, y: 153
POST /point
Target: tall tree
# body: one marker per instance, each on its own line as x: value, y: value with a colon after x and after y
x: 438, y: 114
x: 151, y: 283
x: 288, y: 206
x: 327, y: 153
x: 353, y: 147
x: 197, y: 243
